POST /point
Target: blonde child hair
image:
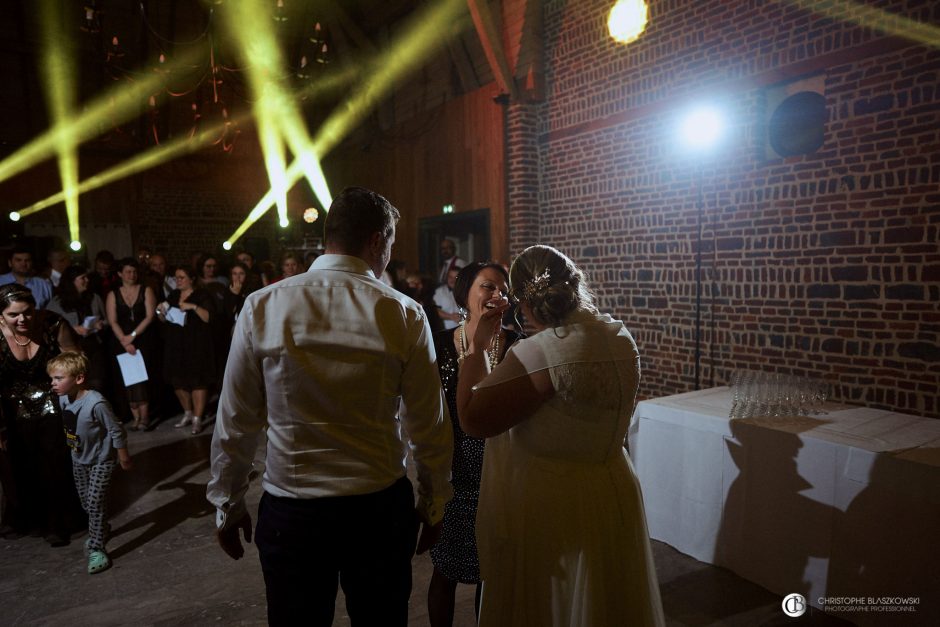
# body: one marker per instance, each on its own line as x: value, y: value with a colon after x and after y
x: 70, y: 362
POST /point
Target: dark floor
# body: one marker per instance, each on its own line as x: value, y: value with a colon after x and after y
x: 169, y: 571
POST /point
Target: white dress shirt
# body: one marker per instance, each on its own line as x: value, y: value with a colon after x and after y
x: 444, y: 299
x: 325, y: 359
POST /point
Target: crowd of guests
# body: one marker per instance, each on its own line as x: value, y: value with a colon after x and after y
x: 537, y: 423
x: 115, y: 307
x: 177, y: 317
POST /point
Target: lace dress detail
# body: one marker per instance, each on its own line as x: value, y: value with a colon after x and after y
x: 587, y: 386
x: 561, y: 529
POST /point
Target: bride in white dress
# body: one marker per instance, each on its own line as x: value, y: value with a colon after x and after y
x: 560, y: 527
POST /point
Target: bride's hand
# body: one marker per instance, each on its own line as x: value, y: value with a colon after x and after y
x: 489, y: 323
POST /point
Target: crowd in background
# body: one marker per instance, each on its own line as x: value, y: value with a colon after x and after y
x: 118, y: 306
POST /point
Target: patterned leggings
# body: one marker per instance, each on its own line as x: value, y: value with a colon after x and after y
x: 92, y: 482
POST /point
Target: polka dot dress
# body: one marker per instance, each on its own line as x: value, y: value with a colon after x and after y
x: 455, y: 554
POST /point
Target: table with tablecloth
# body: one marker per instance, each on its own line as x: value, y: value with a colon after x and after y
x: 839, y: 506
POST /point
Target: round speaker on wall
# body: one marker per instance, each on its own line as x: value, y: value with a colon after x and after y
x: 798, y: 124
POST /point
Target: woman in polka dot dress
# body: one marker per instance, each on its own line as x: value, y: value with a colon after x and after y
x: 480, y: 286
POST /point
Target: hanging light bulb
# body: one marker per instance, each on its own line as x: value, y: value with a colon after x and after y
x: 91, y: 23
x: 280, y: 15
x: 302, y: 72
x: 115, y: 51
x: 317, y: 36
x: 627, y: 20
x: 323, y: 55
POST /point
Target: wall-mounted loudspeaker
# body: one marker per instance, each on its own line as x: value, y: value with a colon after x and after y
x: 795, y: 120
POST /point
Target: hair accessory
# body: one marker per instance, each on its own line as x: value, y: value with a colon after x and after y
x: 536, y: 284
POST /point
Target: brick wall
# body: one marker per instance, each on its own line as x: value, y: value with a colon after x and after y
x: 825, y: 265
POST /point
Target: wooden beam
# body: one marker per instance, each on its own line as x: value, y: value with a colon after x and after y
x: 350, y: 28
x: 458, y: 54
x: 532, y: 49
x: 492, y: 40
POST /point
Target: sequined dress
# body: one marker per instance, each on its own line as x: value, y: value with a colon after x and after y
x: 455, y: 554
x: 36, y: 469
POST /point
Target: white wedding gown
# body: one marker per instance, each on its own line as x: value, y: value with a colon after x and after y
x: 560, y: 527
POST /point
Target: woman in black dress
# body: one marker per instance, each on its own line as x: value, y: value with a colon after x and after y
x: 480, y: 286
x: 130, y: 308
x: 84, y: 311
x: 35, y: 465
x: 189, y: 357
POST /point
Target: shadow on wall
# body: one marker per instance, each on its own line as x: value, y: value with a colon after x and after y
x: 883, y: 545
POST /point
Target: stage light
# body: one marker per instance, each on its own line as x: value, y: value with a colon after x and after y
x: 874, y: 18
x: 115, y: 107
x: 311, y: 215
x: 227, y: 245
x: 427, y: 30
x: 15, y: 216
x: 627, y: 20
x: 75, y: 245
x: 182, y: 145
x: 59, y: 86
x: 702, y: 128
x: 284, y: 223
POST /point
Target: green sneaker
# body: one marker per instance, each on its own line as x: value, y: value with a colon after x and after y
x: 98, y: 561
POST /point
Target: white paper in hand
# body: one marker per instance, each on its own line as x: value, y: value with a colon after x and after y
x: 133, y: 368
x: 176, y: 316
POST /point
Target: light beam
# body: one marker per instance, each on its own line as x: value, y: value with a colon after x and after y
x: 426, y: 31
x: 57, y: 71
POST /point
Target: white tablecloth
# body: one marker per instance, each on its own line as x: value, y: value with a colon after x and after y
x: 843, y: 504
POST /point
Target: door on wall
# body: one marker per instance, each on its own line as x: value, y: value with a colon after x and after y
x: 469, y: 230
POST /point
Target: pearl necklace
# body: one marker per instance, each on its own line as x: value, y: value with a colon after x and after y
x: 492, y: 353
x: 16, y: 341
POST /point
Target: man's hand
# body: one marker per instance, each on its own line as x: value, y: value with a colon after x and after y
x: 230, y: 541
x: 428, y: 536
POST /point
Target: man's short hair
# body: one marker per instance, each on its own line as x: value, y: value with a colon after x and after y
x: 355, y: 215
x: 21, y: 249
x: 70, y: 362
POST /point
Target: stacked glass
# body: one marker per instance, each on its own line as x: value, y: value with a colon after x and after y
x: 761, y: 394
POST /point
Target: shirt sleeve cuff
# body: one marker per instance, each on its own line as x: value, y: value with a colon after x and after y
x: 229, y: 514
x: 431, y: 511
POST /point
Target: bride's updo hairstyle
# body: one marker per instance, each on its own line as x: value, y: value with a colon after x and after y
x: 550, y: 284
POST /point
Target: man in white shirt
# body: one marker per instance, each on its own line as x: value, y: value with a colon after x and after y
x: 447, y: 307
x: 325, y: 360
x: 58, y: 261
x: 449, y: 260
x: 21, y: 271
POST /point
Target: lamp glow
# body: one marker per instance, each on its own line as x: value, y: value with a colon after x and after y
x: 75, y: 245
x: 227, y: 245
x: 15, y: 216
x: 311, y: 215
x: 702, y: 128
x: 627, y: 20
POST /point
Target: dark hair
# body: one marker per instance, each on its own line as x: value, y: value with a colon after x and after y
x: 289, y: 255
x: 69, y: 297
x: 548, y: 281
x: 239, y: 264
x: 15, y: 293
x: 128, y: 261
x: 104, y: 256
x: 201, y: 263
x: 21, y: 249
x: 468, y: 275
x: 187, y: 270
x: 355, y: 215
